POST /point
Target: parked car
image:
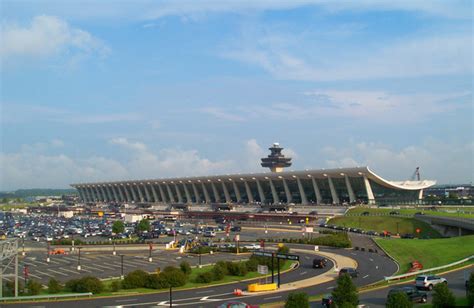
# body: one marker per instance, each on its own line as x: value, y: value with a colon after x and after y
x: 428, y: 281
x: 253, y: 246
x: 327, y: 301
x: 235, y: 304
x: 209, y: 234
x: 413, y: 294
x: 236, y: 229
x: 352, y: 272
x: 319, y: 262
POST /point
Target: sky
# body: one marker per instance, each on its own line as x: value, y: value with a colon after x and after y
x: 114, y: 90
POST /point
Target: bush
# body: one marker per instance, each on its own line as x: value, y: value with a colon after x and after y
x: 252, y: 264
x: 173, y: 277
x: 115, y: 285
x: 85, y: 284
x: 185, y: 268
x: 297, y: 300
x: 398, y: 300
x: 205, y: 277
x: 218, y: 272
x: 442, y: 296
x: 34, y: 287
x: 236, y: 269
x: 9, y: 288
x: 54, y: 286
x: 154, y: 281
x: 135, y: 279
x: 345, y: 292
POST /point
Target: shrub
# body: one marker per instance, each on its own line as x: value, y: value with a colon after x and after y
x: 442, y: 296
x: 345, y: 292
x: 398, y: 300
x: 218, y: 272
x: 34, y: 287
x: 236, y: 269
x: 205, y: 277
x: 9, y: 288
x: 54, y: 286
x: 297, y: 300
x: 115, y: 285
x: 185, y: 268
x: 135, y: 279
x: 85, y: 284
x: 154, y: 281
x: 252, y: 264
x: 173, y: 277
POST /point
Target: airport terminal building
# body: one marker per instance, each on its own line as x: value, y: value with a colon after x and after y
x: 324, y: 186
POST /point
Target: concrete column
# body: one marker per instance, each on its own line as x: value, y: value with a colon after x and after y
x: 101, y: 190
x: 170, y: 194
x: 206, y: 194
x: 349, y: 189
x: 226, y: 193
x: 196, y: 193
x: 154, y: 193
x: 140, y: 194
x: 289, y: 197
x: 134, y: 193
x: 125, y: 188
x: 178, y: 192
x: 113, y: 188
x: 316, y: 191
x: 237, y: 192
x: 368, y: 189
x: 249, y: 192
x: 304, y: 200
x: 260, y: 191
x: 162, y: 193
x: 420, y: 194
x: 147, y: 193
x: 216, y: 193
x: 335, y: 198
x: 81, y: 194
x: 111, y: 193
x: 98, y: 197
x: 274, y: 192
x: 90, y: 193
x: 188, y: 195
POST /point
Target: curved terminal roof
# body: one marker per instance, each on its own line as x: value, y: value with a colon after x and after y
x: 316, y: 173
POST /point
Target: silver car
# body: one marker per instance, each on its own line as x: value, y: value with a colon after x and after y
x: 428, y: 281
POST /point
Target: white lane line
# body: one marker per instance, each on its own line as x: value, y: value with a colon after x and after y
x: 354, y: 254
x: 70, y: 271
x: 273, y: 297
x: 330, y: 288
x: 365, y: 276
x: 55, y: 262
x: 377, y: 267
x: 307, y: 258
x: 372, y: 260
x: 106, y: 267
x: 202, y: 292
x: 51, y: 270
x: 303, y: 273
x: 31, y: 264
x: 45, y: 274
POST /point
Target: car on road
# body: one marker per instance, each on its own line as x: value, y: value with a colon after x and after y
x: 352, y: 272
x: 253, y: 246
x: 319, y: 262
x: 413, y: 294
x: 236, y: 229
x: 209, y: 234
x: 235, y: 304
x: 327, y: 301
x: 428, y: 281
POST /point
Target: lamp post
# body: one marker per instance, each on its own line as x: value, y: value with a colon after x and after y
x: 47, y: 252
x: 150, y: 259
x: 121, y: 267
x: 171, y: 296
x: 79, y: 258
x: 23, y: 246
x: 114, y: 252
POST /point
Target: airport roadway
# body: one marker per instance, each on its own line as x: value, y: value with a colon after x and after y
x: 372, y: 267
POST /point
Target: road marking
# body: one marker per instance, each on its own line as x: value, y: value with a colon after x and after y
x: 163, y: 303
x: 70, y: 271
x: 46, y: 274
x: 372, y: 260
x: 202, y: 292
x: 31, y: 264
x: 354, y: 254
x: 273, y: 297
x: 365, y: 276
x: 303, y: 273
x: 307, y: 258
x: 51, y: 270
x: 376, y: 267
x: 330, y: 288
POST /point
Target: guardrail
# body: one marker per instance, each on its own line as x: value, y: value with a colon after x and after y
x: 402, y: 276
x: 49, y: 296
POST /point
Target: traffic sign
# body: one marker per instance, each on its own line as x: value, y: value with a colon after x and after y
x: 287, y: 257
x: 262, y: 269
x: 262, y: 254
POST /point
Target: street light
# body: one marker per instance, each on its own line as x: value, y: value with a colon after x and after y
x: 150, y: 259
x: 47, y: 253
x: 23, y: 245
x: 121, y: 267
x: 79, y: 258
x: 171, y: 296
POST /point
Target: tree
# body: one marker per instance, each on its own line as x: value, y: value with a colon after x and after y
x: 185, y: 268
x: 135, y: 279
x: 398, y: 300
x: 470, y: 289
x: 345, y: 292
x: 297, y: 300
x: 54, y: 286
x: 34, y: 287
x: 442, y: 296
x: 143, y: 225
x: 118, y: 227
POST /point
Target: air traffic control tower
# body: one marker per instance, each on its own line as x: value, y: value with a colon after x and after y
x: 276, y: 161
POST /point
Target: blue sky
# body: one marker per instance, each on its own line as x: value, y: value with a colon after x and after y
x: 110, y: 90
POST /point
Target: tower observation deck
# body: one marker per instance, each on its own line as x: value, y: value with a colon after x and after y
x: 276, y: 161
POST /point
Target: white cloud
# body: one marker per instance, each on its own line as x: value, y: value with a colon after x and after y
x: 221, y: 114
x: 47, y: 36
x: 445, y: 162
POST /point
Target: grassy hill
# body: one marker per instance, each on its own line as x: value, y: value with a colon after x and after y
x: 464, y: 212
x: 431, y: 253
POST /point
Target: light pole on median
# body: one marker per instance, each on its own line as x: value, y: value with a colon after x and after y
x: 47, y: 252
x: 79, y: 258
x: 150, y: 259
x: 23, y: 246
x: 121, y: 266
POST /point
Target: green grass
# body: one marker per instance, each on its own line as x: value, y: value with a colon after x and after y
x: 431, y: 253
x: 387, y: 223
x: 463, y: 212
x: 460, y: 302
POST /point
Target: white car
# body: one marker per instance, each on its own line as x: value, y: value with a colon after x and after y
x: 253, y: 246
x: 429, y: 281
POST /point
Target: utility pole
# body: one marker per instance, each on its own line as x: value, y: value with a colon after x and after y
x: 121, y: 261
x: 171, y: 296
x: 47, y: 252
x: 79, y: 258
